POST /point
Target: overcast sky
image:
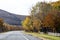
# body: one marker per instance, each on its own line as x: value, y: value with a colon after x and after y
x: 20, y: 7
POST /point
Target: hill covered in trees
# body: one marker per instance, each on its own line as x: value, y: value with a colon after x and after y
x: 10, y: 18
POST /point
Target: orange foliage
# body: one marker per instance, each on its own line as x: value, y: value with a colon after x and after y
x: 49, y: 21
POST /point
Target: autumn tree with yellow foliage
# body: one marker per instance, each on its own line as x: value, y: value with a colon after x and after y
x: 36, y: 24
x: 27, y: 24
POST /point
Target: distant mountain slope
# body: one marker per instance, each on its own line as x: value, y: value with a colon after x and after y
x: 10, y: 18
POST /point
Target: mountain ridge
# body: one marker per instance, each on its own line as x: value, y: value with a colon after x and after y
x: 11, y: 18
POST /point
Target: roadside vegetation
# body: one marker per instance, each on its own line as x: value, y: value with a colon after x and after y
x: 4, y: 27
x: 44, y: 17
x: 43, y: 36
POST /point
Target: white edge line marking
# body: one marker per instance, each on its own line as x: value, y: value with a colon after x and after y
x: 25, y: 37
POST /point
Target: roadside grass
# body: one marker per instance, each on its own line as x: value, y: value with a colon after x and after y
x: 46, y: 36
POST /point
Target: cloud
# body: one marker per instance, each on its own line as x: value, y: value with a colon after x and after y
x: 21, y: 7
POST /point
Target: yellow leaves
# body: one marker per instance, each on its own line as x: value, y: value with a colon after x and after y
x: 56, y: 5
x: 25, y: 23
x: 36, y: 23
x: 27, y: 20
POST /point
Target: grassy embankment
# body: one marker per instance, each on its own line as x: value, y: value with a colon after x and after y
x: 43, y: 36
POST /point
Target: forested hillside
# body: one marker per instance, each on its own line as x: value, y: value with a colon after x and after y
x: 10, y: 18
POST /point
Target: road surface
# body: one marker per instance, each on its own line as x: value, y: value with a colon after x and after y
x: 16, y: 35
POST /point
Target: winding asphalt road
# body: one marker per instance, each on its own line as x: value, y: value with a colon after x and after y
x: 16, y: 35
